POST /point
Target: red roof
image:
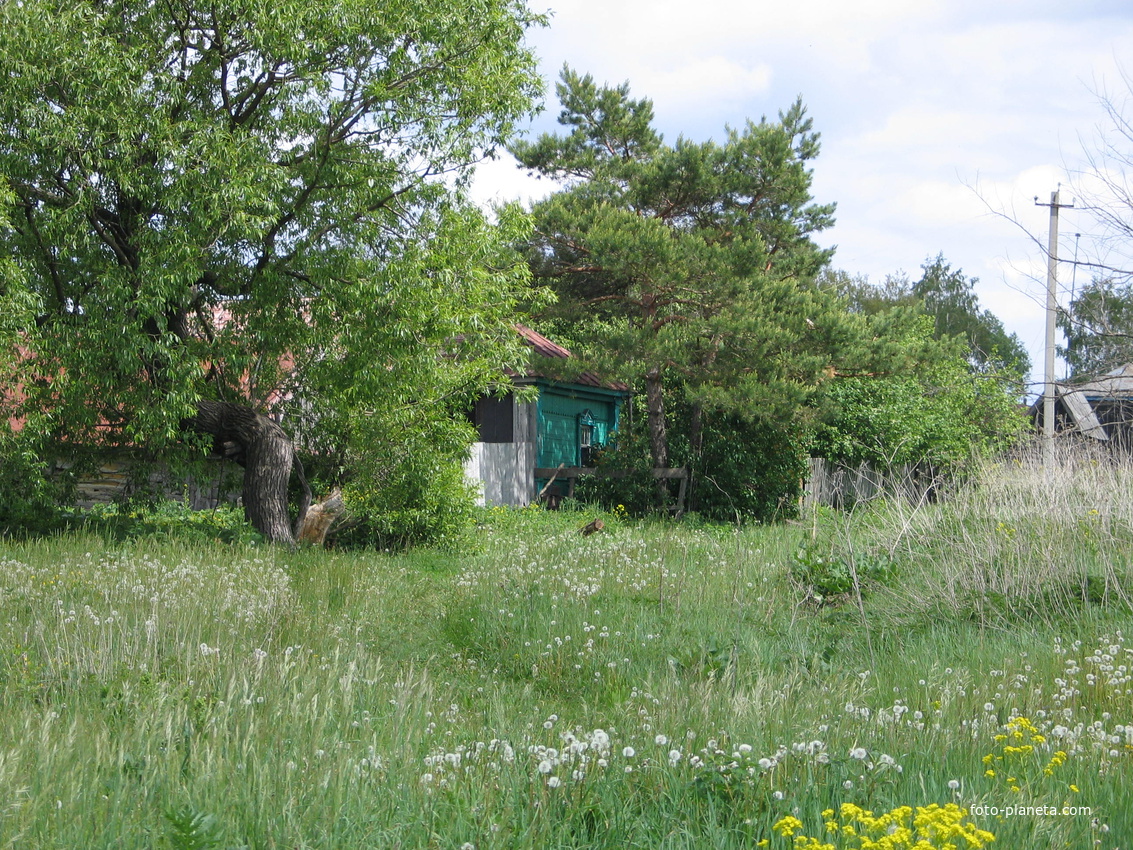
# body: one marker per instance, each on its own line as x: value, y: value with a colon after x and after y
x: 545, y: 348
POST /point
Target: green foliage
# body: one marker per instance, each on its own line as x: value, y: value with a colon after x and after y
x: 189, y: 829
x: 411, y: 492
x: 948, y: 298
x: 633, y: 490
x: 689, y: 265
x: 210, y: 206
x: 29, y: 494
x: 944, y: 416
x: 943, y: 401
x: 746, y: 469
x: 1098, y: 326
x: 827, y: 577
x: 166, y: 519
x: 18, y: 304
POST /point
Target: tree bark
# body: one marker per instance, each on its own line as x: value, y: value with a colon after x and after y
x: 264, y: 450
x: 320, y: 517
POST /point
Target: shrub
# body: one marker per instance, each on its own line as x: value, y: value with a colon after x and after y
x: 29, y: 495
x: 745, y: 470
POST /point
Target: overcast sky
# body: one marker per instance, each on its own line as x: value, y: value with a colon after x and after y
x: 930, y: 112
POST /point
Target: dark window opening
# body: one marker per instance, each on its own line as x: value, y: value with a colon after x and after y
x: 494, y: 419
x: 586, y: 445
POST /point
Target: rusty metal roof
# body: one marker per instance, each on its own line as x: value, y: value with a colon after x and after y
x: 545, y: 348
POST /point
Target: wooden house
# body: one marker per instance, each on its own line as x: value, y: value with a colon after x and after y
x: 565, y: 423
x: 1100, y: 409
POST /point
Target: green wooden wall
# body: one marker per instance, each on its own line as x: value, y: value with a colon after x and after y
x: 560, y: 413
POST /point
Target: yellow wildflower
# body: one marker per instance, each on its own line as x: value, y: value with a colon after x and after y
x: 787, y: 826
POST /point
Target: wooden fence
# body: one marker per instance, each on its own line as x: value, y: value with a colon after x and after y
x: 115, y: 480
x: 845, y: 485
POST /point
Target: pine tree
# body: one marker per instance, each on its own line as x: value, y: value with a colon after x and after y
x: 688, y: 267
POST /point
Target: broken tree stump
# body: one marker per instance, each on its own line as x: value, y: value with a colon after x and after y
x: 591, y: 527
x: 320, y: 517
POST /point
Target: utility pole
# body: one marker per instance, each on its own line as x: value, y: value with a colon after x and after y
x: 1051, y: 311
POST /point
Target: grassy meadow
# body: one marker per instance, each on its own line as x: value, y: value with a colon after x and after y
x: 957, y: 674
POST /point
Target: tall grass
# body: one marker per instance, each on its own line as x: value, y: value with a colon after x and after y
x: 1022, y: 538
x: 653, y: 685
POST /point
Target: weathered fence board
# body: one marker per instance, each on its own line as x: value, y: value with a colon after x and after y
x: 845, y: 485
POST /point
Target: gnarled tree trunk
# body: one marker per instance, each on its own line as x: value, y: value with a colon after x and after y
x: 265, y: 451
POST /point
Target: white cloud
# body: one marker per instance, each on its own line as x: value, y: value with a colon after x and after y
x: 915, y: 103
x: 713, y: 79
x: 501, y: 180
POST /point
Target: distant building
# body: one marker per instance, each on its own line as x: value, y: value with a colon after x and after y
x: 1100, y: 409
x: 563, y: 426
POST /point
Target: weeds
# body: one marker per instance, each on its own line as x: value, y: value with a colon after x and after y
x: 652, y: 685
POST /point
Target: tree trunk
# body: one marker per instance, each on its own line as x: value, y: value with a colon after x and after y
x: 658, y: 438
x: 260, y: 446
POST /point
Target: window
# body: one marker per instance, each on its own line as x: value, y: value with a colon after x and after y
x: 585, y: 438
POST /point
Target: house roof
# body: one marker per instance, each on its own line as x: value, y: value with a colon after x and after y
x: 1076, y: 398
x: 545, y: 348
x: 1117, y: 383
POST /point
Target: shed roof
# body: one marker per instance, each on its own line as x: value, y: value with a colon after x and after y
x: 545, y: 348
x: 1117, y: 383
x: 1077, y: 398
x: 1082, y: 413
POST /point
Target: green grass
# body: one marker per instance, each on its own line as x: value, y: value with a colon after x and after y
x: 653, y: 685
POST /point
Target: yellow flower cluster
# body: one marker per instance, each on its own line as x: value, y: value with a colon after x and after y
x: 788, y: 826
x: 1057, y: 760
x: 932, y: 827
x: 1016, y: 744
x: 1007, y: 531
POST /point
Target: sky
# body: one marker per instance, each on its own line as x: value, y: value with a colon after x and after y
x: 941, y: 120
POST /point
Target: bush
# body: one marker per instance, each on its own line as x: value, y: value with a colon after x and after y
x: 29, y: 495
x: 944, y: 418
x: 746, y: 470
x: 167, y: 519
x: 634, y: 490
x: 751, y: 470
x: 404, y: 486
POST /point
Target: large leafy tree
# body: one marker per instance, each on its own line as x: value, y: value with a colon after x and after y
x: 949, y: 393
x: 217, y: 204
x: 1098, y: 326
x: 687, y: 266
x: 939, y: 412
x: 949, y: 297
